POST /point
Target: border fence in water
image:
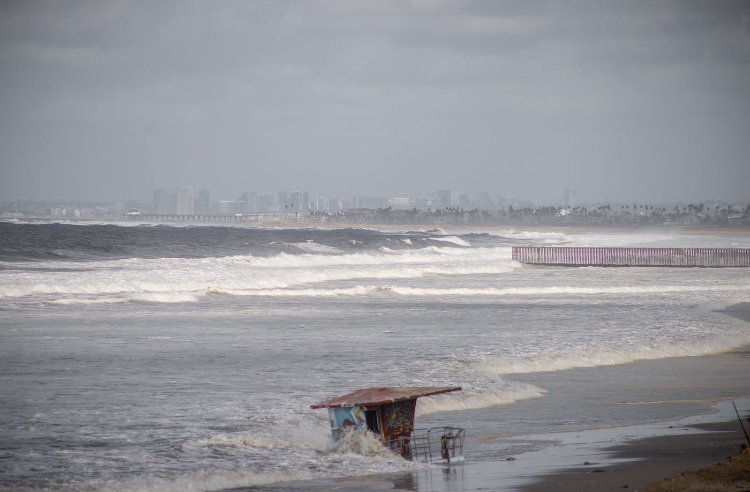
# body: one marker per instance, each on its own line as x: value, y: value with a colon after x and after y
x: 656, y: 257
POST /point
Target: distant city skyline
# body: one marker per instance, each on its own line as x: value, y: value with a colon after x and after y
x: 442, y: 207
x: 280, y: 201
x: 567, y: 197
x: 645, y: 101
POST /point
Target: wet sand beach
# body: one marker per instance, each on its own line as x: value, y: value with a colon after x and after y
x: 660, y: 458
x: 652, y: 460
x: 646, y: 455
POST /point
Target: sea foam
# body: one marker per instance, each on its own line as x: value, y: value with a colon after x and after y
x: 184, y: 280
x: 476, y: 398
x: 551, y: 360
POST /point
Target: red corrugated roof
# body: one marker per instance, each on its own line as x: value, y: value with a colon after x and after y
x: 383, y: 394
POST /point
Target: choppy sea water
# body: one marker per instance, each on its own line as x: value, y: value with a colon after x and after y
x: 157, y: 357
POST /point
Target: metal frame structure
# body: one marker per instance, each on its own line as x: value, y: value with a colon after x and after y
x: 440, y: 445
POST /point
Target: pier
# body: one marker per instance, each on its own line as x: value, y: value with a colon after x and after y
x: 203, y: 218
x: 633, y: 257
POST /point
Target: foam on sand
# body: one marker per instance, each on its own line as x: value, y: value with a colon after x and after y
x: 551, y: 360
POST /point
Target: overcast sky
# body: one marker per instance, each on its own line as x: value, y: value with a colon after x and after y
x: 622, y: 100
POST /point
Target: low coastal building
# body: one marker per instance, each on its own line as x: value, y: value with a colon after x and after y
x: 388, y: 413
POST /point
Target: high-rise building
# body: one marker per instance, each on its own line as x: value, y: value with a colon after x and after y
x: 400, y: 200
x: 243, y: 204
x: 305, y: 202
x: 570, y: 197
x: 441, y: 198
x: 265, y: 202
x: 160, y: 202
x: 185, y: 204
x: 203, y: 202
x: 252, y: 202
x: 229, y: 207
x: 370, y: 202
x: 295, y: 202
x: 455, y: 198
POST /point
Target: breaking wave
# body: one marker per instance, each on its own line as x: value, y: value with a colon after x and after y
x: 161, y: 293
x: 452, y: 239
x: 472, y: 399
x: 364, y: 443
x: 361, y: 290
x: 185, y: 280
x: 313, y: 247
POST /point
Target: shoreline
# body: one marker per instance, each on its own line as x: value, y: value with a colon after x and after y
x: 643, y: 455
x: 633, y: 455
x: 653, y: 461
x: 740, y: 310
x: 645, y: 462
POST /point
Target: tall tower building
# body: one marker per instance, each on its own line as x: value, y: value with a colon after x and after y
x: 265, y: 202
x: 295, y: 202
x: 185, y: 200
x: 252, y: 202
x: 283, y: 199
x: 455, y: 198
x: 203, y: 202
x: 160, y: 201
x: 243, y: 204
x: 570, y: 197
x: 441, y: 198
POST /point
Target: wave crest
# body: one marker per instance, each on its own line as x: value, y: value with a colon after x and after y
x: 363, y: 443
x: 452, y: 239
x: 472, y: 399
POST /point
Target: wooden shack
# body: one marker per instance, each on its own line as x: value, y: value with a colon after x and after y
x: 388, y: 412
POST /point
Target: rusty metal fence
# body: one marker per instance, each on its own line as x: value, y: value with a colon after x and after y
x: 442, y: 445
x: 438, y: 444
x: 657, y: 257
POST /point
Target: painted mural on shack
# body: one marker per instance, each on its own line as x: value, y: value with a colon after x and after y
x: 399, y: 418
x: 345, y: 418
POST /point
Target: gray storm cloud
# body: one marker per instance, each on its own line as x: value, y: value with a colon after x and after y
x: 621, y: 100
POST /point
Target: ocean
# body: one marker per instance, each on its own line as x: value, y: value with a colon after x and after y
x: 153, y: 357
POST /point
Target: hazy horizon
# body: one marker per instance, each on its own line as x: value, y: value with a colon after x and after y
x: 623, y: 101
x: 516, y: 201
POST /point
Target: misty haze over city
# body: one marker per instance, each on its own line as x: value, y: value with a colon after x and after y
x: 622, y: 101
